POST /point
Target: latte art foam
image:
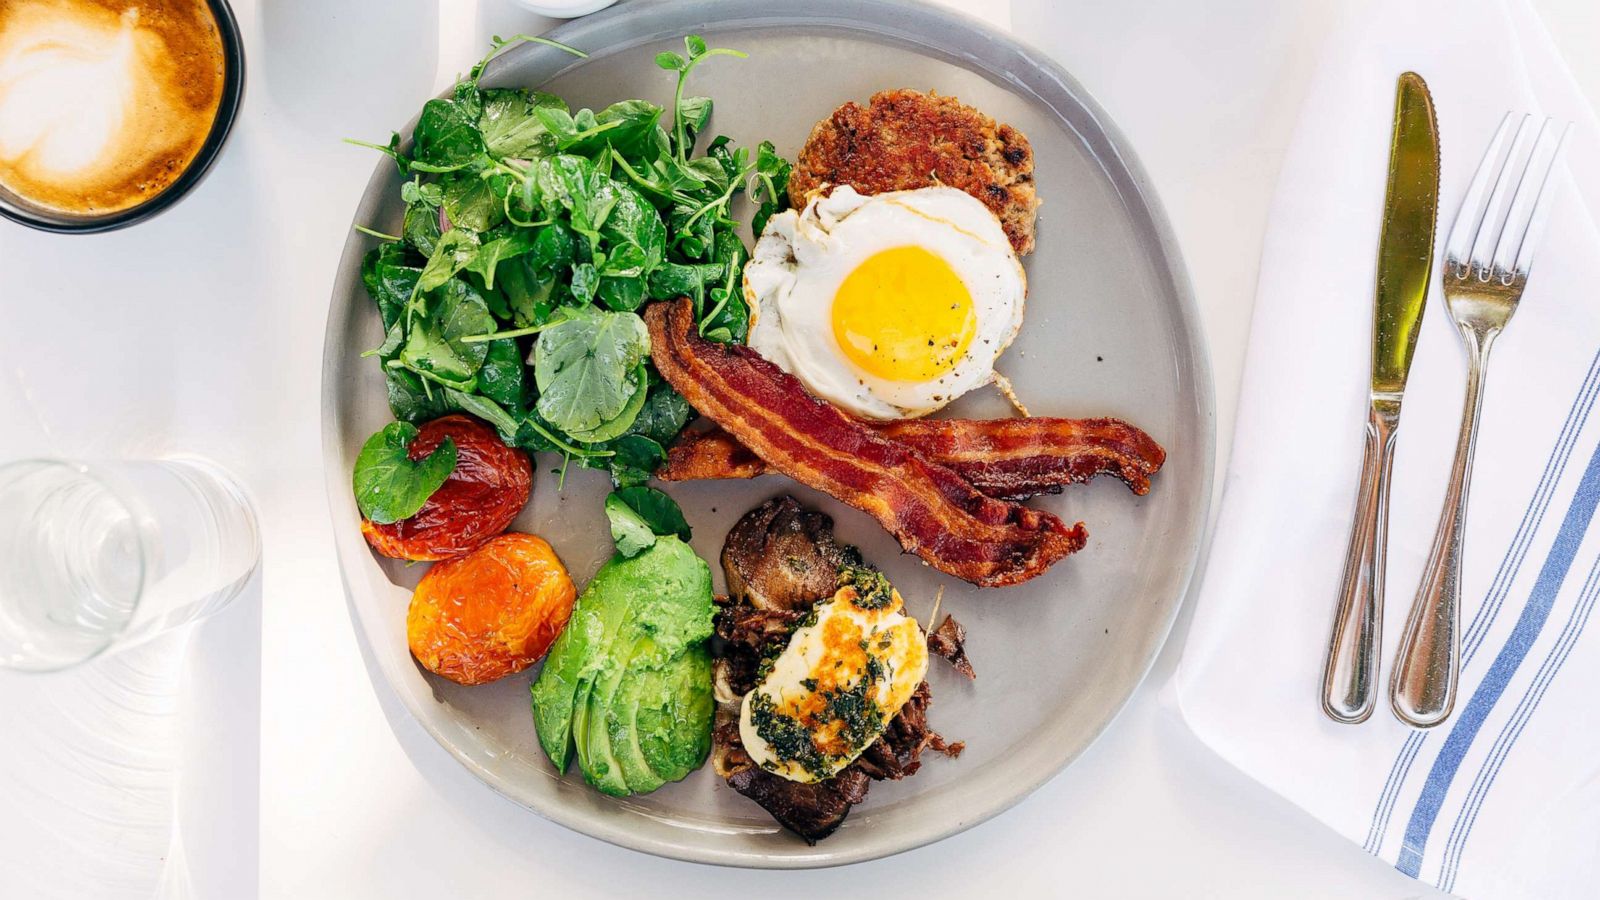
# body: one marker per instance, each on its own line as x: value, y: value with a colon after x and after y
x: 103, y: 104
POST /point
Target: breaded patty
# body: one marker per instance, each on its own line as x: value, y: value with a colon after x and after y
x: 905, y: 139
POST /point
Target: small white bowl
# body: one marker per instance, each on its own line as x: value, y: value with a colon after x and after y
x: 564, y: 9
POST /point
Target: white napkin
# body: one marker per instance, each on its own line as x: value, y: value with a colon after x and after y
x: 1504, y: 799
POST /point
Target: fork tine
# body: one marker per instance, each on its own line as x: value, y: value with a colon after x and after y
x: 1488, y: 232
x: 1529, y: 241
x: 1458, y: 247
x: 1529, y: 181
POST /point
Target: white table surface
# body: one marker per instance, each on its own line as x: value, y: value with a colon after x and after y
x: 355, y: 800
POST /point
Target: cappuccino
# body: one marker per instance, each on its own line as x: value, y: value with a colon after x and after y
x: 104, y: 103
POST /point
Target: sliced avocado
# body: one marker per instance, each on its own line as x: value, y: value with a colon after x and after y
x: 628, y: 683
x: 673, y: 588
x: 621, y: 735
x: 553, y: 691
x: 674, y: 720
x: 598, y: 758
x: 561, y: 690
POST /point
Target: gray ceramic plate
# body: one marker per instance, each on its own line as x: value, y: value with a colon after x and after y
x: 1110, y: 330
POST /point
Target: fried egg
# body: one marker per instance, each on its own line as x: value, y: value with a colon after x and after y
x: 890, y: 305
x: 833, y: 690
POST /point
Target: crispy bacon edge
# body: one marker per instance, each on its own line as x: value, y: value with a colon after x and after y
x: 931, y: 511
x: 1008, y: 459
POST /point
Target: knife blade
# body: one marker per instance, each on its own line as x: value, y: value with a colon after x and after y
x: 1405, y: 264
x: 1405, y: 246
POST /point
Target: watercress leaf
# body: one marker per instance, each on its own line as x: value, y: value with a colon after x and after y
x: 691, y: 236
x: 664, y: 415
x: 658, y: 146
x: 566, y: 182
x: 533, y: 283
x: 585, y: 367
x: 486, y: 262
x: 684, y: 279
x: 660, y: 512
x: 389, y: 486
x: 696, y: 45
x: 421, y: 228
x: 771, y: 165
x: 622, y: 294
x: 732, y: 162
x: 454, y: 249
x: 708, y: 173
x: 552, y: 249
x: 731, y: 252
x: 634, y: 459
x: 470, y: 202
x: 558, y: 123
x: 619, y: 425
x: 389, y: 280
x: 625, y: 261
x: 695, y: 112
x: 392, y: 340
x: 531, y: 297
x: 771, y: 192
x: 632, y: 220
x: 391, y: 150
x: 626, y: 125
x: 727, y: 318
x: 446, y: 137
x: 670, y: 61
x: 531, y: 438
x: 493, y: 298
x: 510, y: 128
x: 409, y: 399
x: 500, y: 379
x: 585, y: 281
x: 631, y: 533
x: 434, y: 347
x: 469, y: 99
x: 482, y: 407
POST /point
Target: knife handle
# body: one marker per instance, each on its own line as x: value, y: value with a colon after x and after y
x: 1349, y: 682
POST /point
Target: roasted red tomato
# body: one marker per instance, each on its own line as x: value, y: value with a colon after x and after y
x: 492, y: 612
x: 489, y: 486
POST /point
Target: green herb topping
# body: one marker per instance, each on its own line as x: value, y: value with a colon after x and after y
x: 793, y: 740
x: 873, y: 590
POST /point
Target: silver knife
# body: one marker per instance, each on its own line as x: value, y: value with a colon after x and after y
x: 1405, y: 261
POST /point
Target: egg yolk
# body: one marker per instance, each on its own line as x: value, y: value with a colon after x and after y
x: 904, y: 314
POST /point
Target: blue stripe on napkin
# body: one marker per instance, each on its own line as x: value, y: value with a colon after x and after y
x: 1526, y: 631
x: 1483, y: 618
x: 1503, y: 745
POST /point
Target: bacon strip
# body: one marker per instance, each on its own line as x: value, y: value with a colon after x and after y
x: 931, y: 510
x: 1008, y: 459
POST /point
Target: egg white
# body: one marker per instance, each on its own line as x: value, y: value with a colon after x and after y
x: 887, y: 635
x: 804, y: 256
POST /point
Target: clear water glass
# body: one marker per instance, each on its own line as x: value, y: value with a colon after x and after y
x: 102, y: 556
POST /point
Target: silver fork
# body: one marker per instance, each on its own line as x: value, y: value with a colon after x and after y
x: 1487, y: 258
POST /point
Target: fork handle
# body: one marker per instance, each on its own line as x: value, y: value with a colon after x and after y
x: 1428, y: 666
x: 1350, y: 677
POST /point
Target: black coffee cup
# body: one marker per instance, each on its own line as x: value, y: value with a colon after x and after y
x: 20, y: 209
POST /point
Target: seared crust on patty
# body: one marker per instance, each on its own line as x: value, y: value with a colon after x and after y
x: 905, y: 139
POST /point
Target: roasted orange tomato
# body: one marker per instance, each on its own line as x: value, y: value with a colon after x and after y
x: 492, y: 612
x: 489, y: 486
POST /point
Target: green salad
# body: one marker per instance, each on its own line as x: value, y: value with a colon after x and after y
x: 533, y: 235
